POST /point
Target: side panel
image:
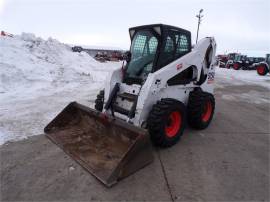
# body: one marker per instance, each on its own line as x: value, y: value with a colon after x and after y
x: 208, y: 85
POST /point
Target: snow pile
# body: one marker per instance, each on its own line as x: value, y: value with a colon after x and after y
x: 26, y: 59
x: 38, y: 78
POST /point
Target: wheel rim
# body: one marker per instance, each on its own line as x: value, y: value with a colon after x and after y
x: 260, y: 69
x: 207, y: 111
x: 235, y: 66
x: 173, y: 124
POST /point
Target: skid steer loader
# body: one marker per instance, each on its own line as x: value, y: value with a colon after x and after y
x: 164, y: 84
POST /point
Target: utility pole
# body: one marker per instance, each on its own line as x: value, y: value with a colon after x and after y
x: 199, y: 16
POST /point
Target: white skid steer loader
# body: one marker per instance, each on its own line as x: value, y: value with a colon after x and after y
x: 164, y: 84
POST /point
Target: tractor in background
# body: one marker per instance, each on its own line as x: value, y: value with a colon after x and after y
x: 246, y: 63
x: 253, y: 61
x: 239, y: 62
x: 263, y: 67
x: 222, y: 60
x: 3, y: 33
x: 231, y: 59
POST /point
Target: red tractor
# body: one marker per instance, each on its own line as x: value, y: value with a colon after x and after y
x: 222, y: 60
x: 3, y: 33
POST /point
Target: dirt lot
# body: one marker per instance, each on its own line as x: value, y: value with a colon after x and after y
x: 229, y: 161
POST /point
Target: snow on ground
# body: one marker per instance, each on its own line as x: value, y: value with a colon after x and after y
x: 241, y: 77
x: 253, y: 97
x: 38, y: 78
x: 248, y: 83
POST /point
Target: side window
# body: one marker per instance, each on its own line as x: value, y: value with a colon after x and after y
x: 138, y: 46
x: 182, y: 45
x: 175, y: 45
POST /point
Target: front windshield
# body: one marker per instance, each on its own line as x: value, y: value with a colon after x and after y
x: 237, y: 57
x: 143, y: 51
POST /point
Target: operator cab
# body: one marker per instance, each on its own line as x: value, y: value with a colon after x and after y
x: 267, y: 59
x: 153, y: 47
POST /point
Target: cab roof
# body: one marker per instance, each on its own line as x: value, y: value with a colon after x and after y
x: 163, y: 27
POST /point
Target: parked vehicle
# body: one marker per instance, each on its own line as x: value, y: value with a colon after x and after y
x: 253, y: 61
x: 240, y: 61
x: 77, y: 49
x: 3, y: 33
x: 231, y: 60
x: 263, y: 67
x: 246, y: 63
x: 222, y: 60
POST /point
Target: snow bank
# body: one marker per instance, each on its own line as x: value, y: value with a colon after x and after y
x: 38, y: 78
x: 26, y: 59
x: 229, y: 78
x: 240, y: 77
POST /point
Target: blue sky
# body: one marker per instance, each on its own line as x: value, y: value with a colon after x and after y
x: 237, y: 25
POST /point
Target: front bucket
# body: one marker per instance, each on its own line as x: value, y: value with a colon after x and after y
x: 108, y: 148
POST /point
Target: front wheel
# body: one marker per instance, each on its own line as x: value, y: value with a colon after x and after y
x: 236, y: 66
x: 166, y: 122
x: 262, y: 69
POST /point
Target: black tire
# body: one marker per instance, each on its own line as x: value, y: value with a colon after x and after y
x: 262, y: 69
x: 201, y: 107
x: 228, y: 65
x: 99, y: 102
x: 164, y: 129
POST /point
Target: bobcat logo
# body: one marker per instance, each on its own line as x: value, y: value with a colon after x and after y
x: 179, y: 66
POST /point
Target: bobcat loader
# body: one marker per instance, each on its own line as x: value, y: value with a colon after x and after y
x: 164, y: 85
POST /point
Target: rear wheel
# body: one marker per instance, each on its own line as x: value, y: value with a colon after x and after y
x: 262, y: 69
x: 166, y: 122
x: 228, y: 65
x: 236, y: 66
x: 201, y: 109
x: 99, y: 102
